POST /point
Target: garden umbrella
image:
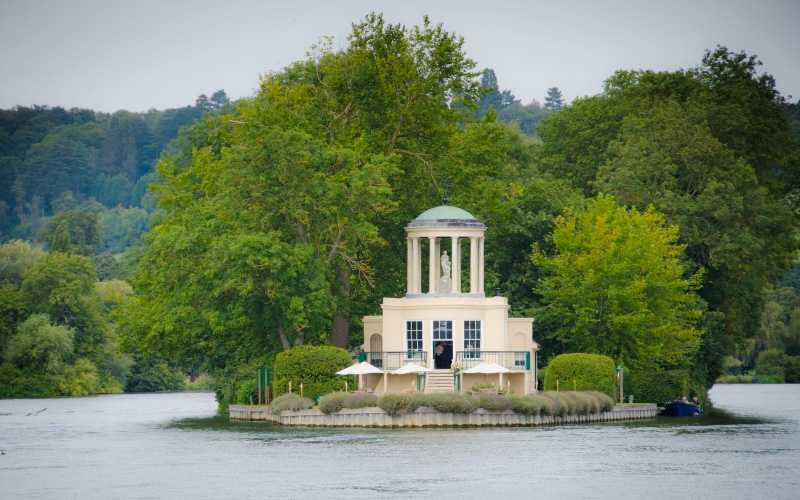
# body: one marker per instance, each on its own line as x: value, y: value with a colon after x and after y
x: 359, y: 369
x: 489, y: 368
x: 411, y: 368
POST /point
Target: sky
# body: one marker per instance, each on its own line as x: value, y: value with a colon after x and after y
x: 108, y: 55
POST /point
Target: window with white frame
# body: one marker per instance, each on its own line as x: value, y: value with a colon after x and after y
x: 442, y: 330
x: 413, y: 337
x: 472, y: 339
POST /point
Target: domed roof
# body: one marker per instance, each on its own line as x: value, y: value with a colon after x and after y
x: 445, y: 215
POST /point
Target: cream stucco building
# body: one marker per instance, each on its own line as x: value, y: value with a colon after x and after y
x: 446, y: 317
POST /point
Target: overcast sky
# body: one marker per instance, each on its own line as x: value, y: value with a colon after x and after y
x: 136, y: 55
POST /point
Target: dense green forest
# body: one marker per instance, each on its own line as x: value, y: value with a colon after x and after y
x: 655, y: 223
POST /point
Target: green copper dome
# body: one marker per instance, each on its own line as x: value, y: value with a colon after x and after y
x: 445, y: 216
x: 445, y: 212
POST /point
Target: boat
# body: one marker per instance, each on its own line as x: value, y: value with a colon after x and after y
x: 680, y: 408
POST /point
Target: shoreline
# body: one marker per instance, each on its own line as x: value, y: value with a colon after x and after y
x: 428, y: 417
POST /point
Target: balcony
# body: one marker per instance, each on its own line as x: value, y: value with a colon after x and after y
x: 513, y: 360
x: 392, y: 360
x: 388, y: 361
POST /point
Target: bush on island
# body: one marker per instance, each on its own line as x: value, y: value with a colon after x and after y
x: 290, y: 401
x: 313, y: 366
x: 604, y: 401
x: 361, y: 401
x: 550, y: 403
x: 452, y: 403
x: 494, y: 402
x: 581, y: 372
x: 395, y: 404
x: 335, y: 401
x: 525, y: 405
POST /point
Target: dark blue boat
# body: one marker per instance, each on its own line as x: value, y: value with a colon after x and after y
x: 680, y: 408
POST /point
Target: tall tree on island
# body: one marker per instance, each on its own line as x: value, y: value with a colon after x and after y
x: 712, y: 150
x: 271, y: 215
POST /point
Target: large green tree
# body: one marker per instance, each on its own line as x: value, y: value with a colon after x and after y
x: 677, y: 141
x: 616, y: 286
x: 272, y: 215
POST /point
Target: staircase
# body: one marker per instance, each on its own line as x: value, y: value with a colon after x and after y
x: 439, y: 381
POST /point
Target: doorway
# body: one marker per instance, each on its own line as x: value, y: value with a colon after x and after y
x: 442, y: 354
x: 442, y: 344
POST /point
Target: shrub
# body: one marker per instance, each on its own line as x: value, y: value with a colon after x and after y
x: 333, y: 402
x: 360, y: 401
x: 452, y: 403
x: 395, y: 404
x: 313, y: 366
x: 658, y: 387
x: 246, y: 393
x: 605, y: 402
x: 583, y: 372
x: 526, y: 405
x: 290, y: 401
x: 481, y: 385
x: 550, y: 405
x: 567, y: 403
x: 494, y: 402
x: 584, y: 403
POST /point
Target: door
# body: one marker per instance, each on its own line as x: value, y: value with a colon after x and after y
x: 442, y: 344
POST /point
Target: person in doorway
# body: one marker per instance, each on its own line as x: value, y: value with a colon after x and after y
x: 437, y: 355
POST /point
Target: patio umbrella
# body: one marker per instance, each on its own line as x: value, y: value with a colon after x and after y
x: 360, y: 369
x: 411, y: 368
x: 489, y: 368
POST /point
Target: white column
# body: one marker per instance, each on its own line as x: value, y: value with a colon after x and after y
x: 473, y: 265
x: 416, y: 266
x: 433, y: 274
x: 409, y: 265
x: 456, y: 260
x: 480, y: 265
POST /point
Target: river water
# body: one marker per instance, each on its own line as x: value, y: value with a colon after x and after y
x: 175, y: 446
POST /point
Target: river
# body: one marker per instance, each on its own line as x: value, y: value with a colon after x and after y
x: 175, y: 446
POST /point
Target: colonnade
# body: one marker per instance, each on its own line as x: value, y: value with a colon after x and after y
x: 414, y: 264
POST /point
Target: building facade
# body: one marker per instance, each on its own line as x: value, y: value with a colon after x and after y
x: 445, y: 321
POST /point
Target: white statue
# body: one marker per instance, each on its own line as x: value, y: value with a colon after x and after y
x: 445, y: 265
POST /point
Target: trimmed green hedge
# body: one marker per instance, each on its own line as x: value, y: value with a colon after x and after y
x: 313, y: 366
x: 582, y: 372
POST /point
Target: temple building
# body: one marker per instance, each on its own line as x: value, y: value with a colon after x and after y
x: 445, y: 322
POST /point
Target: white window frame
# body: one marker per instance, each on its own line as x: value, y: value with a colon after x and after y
x: 435, y: 330
x: 472, y: 342
x: 414, y: 344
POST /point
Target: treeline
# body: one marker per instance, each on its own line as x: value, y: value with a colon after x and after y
x: 73, y: 198
x: 53, y: 160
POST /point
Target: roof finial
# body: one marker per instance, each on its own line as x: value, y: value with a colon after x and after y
x: 447, y: 183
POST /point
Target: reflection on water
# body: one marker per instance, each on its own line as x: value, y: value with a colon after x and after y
x: 174, y: 445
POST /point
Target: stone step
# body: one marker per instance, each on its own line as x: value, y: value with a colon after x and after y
x: 439, y: 381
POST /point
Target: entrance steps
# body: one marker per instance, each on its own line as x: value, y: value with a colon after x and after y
x: 439, y: 381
